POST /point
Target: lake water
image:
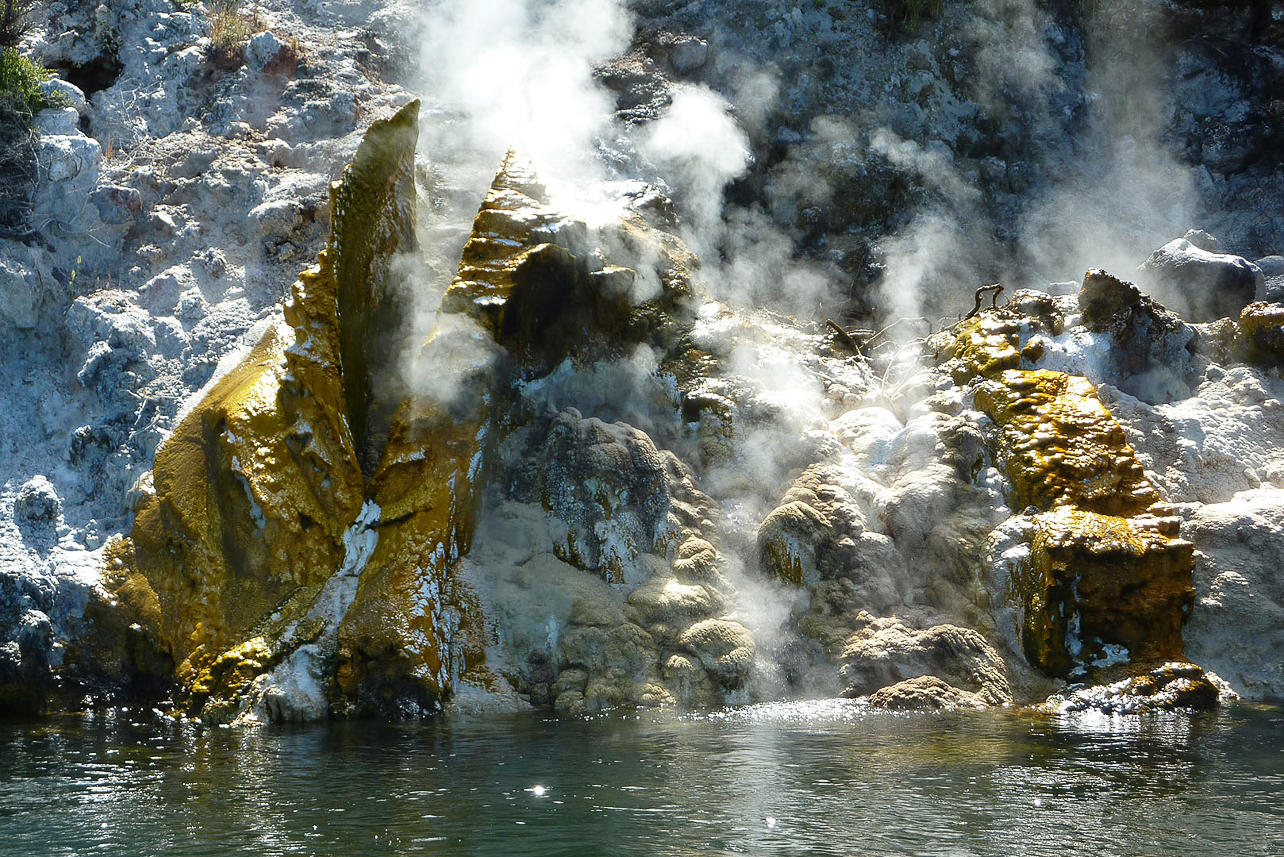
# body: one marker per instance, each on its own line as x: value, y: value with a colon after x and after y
x: 803, y: 778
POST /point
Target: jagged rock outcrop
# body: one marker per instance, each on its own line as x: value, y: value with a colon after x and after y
x: 296, y: 546
x: 1106, y: 569
x: 257, y: 500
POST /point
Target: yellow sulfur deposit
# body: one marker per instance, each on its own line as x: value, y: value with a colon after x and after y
x: 259, y: 482
x: 985, y: 345
x: 1097, y: 580
x: 1059, y: 445
x: 307, y: 500
x: 1107, y: 573
x: 1261, y: 324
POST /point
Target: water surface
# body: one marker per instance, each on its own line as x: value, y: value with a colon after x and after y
x: 810, y: 778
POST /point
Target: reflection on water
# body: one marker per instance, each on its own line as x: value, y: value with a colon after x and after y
x: 807, y: 778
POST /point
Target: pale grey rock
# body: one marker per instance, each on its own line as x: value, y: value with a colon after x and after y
x: 160, y: 294
x: 66, y: 157
x: 884, y: 652
x: 171, y: 338
x: 263, y: 49
x: 116, y: 204
x: 689, y: 55
x: 1204, y: 241
x: 112, y: 318
x: 38, y: 503
x: 277, y: 220
x: 21, y: 295
x: 1273, y: 270
x: 57, y: 121
x: 1236, y: 628
x: 191, y: 306
x: 1199, y: 285
x: 58, y: 88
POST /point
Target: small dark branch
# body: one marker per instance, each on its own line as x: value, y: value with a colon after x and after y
x: 992, y: 290
x: 841, y: 334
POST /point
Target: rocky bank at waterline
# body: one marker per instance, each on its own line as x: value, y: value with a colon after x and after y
x: 719, y: 409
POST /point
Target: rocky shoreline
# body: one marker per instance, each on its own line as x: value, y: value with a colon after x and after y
x: 623, y: 454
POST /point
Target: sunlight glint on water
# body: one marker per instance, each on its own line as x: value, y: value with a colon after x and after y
x: 826, y: 777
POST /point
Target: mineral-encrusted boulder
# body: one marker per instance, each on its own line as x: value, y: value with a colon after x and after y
x: 1261, y: 327
x: 37, y: 503
x: 1172, y: 686
x: 1199, y: 285
x: 1145, y: 338
x: 1099, y: 587
x: 1059, y: 446
x: 1104, y: 574
x: 1236, y: 628
x: 884, y: 652
x: 926, y: 692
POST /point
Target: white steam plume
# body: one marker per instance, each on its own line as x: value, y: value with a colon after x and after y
x: 519, y: 73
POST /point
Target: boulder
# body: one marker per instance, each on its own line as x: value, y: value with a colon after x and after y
x: 1273, y: 270
x: 1199, y: 285
x: 1148, y: 353
x: 924, y: 692
x: 1236, y: 626
x: 884, y: 652
x: 1173, y: 686
x: 37, y: 503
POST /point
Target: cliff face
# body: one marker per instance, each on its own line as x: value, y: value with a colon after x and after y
x: 258, y: 498
x: 610, y: 473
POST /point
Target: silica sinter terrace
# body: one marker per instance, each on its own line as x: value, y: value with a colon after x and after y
x: 800, y: 778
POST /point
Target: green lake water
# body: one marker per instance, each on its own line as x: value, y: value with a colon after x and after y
x: 824, y: 778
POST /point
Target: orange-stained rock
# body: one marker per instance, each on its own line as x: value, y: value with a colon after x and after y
x: 1107, y: 576
x: 1261, y: 325
x: 257, y: 486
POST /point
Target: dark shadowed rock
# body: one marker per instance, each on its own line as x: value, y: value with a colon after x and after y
x: 1146, y: 340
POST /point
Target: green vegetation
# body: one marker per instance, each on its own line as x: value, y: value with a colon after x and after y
x: 14, y: 22
x: 910, y: 12
x: 230, y: 28
x: 21, y: 98
x: 20, y: 79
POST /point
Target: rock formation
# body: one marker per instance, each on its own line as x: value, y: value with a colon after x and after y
x: 610, y: 473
